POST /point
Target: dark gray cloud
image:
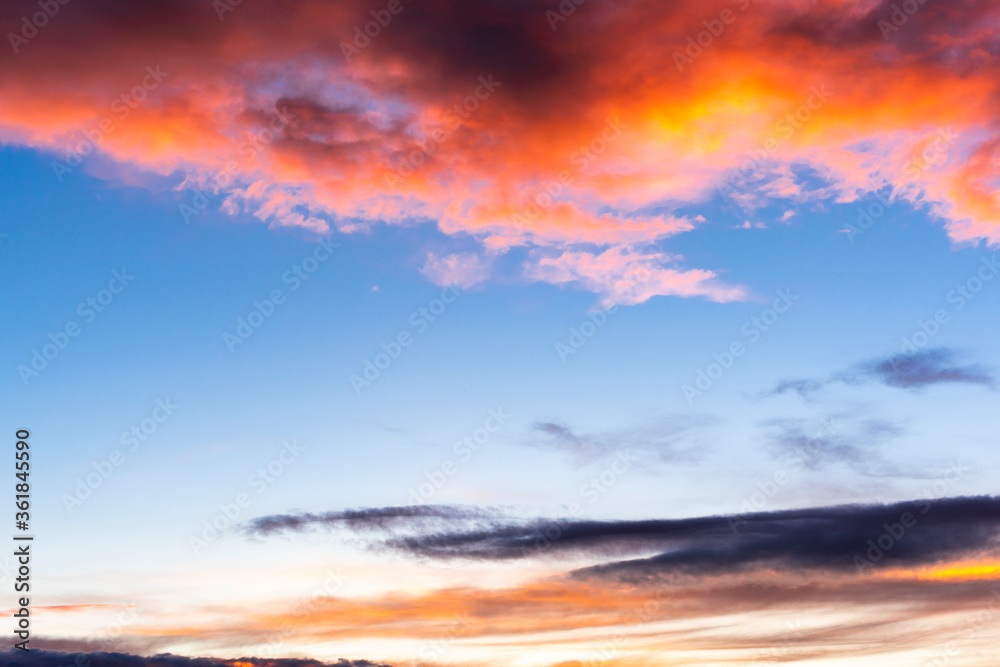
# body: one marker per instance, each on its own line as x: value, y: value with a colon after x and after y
x: 377, y: 519
x: 926, y: 368
x: 827, y: 538
x: 122, y: 643
x: 902, y: 371
x: 814, y: 538
x: 44, y: 658
x: 925, y: 38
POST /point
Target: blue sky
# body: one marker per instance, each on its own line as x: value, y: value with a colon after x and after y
x: 493, y: 347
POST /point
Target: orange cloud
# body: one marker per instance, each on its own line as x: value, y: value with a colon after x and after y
x: 577, y: 139
x: 962, y: 571
x: 78, y: 607
x: 687, y: 620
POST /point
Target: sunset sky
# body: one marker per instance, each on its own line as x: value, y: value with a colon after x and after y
x: 505, y: 332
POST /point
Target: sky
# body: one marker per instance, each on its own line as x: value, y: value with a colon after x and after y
x: 515, y: 332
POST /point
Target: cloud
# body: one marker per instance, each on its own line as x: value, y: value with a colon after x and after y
x: 903, y: 371
x: 801, y: 387
x: 855, y: 445
x: 610, y: 609
x: 45, y: 658
x: 623, y: 276
x: 124, y: 642
x: 927, y: 368
x: 461, y: 270
x: 484, y: 120
x: 375, y: 519
x: 863, y: 617
x: 703, y: 584
x: 663, y: 440
x: 819, y: 538
x: 816, y: 538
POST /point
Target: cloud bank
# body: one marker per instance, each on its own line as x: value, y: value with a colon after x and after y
x: 919, y: 533
x: 577, y: 138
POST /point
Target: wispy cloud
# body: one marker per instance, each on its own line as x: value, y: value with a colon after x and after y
x: 670, y: 439
x: 374, y: 519
x: 904, y: 371
x: 856, y: 444
x: 48, y: 658
x: 927, y: 368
